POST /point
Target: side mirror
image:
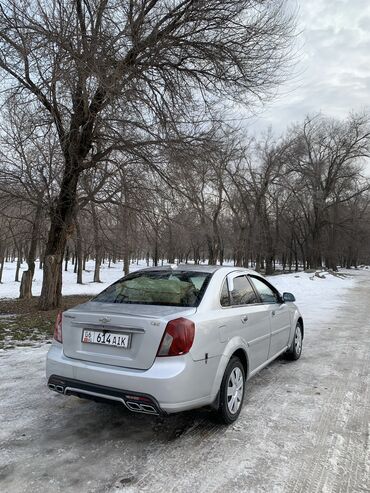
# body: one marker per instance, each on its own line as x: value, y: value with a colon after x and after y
x: 288, y: 297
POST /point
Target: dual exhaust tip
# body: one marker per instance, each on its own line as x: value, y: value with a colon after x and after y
x: 135, y: 407
x: 56, y: 388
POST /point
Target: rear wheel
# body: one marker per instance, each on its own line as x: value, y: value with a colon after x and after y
x: 295, y: 350
x: 232, y: 391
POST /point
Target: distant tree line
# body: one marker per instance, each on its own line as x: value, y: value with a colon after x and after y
x: 300, y: 201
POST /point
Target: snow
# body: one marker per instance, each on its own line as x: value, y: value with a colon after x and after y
x: 318, y: 299
x: 10, y: 289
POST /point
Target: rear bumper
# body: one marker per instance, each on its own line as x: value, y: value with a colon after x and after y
x: 173, y: 384
x: 134, y: 401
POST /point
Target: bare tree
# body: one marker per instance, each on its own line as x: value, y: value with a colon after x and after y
x: 324, y: 171
x: 28, y: 179
x: 79, y: 59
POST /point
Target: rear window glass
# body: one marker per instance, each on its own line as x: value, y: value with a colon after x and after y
x: 171, y: 288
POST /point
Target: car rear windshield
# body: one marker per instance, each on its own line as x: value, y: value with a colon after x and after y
x: 171, y: 288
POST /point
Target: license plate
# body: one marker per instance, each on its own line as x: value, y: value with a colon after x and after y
x: 107, y: 338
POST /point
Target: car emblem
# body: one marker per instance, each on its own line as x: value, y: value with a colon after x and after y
x: 104, y: 320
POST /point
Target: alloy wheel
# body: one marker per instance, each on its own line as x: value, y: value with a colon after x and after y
x: 298, y: 340
x: 235, y: 390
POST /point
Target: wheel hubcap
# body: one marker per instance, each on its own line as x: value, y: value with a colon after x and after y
x: 298, y: 340
x: 235, y: 390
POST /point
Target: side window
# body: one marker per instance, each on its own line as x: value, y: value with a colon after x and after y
x: 225, y: 298
x: 242, y: 292
x: 267, y: 295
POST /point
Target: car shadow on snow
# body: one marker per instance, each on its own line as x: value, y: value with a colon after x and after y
x: 88, y: 421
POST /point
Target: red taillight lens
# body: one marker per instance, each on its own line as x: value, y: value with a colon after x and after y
x: 58, y: 328
x: 177, y: 338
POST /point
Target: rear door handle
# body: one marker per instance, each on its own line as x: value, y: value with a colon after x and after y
x: 273, y: 312
x: 245, y: 319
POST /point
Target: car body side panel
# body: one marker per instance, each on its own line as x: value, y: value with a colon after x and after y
x: 252, y: 324
x: 216, y: 325
x: 280, y: 318
x: 231, y: 347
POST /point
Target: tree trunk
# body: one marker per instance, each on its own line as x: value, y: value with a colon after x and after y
x: 2, y: 260
x: 61, y: 220
x: 25, y: 290
x: 316, y: 254
x: 269, y: 266
x: 66, y: 260
x: 156, y: 250
x: 258, y: 265
x: 212, y: 254
x: 126, y: 262
x: 171, y: 254
x: 124, y: 228
x: 79, y: 257
x: 98, y: 245
x: 97, y: 269
x: 16, y: 278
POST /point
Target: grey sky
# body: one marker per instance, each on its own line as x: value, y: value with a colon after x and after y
x: 333, y: 69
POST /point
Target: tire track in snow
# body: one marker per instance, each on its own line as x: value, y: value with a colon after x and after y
x: 337, y: 462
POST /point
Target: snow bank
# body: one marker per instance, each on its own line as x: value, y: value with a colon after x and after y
x: 317, y: 298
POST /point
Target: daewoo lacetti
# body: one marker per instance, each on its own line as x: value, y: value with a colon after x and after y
x: 168, y: 339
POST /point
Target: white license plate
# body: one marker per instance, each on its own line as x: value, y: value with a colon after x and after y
x: 107, y: 338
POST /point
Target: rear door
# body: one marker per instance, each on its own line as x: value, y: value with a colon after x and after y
x: 245, y: 316
x: 278, y: 312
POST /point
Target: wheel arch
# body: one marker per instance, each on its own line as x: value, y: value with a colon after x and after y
x: 300, y: 321
x: 235, y: 347
x: 242, y: 355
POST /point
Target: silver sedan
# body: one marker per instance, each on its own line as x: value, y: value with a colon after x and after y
x: 168, y: 339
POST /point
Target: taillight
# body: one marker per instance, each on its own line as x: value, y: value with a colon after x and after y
x: 177, y: 338
x: 58, y: 328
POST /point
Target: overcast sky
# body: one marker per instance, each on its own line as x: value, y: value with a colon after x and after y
x: 333, y: 69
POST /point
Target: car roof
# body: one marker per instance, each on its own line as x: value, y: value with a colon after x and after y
x: 198, y: 267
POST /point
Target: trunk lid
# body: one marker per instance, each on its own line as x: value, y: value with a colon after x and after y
x: 145, y: 325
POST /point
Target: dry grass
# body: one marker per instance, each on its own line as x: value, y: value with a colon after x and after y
x: 23, y: 324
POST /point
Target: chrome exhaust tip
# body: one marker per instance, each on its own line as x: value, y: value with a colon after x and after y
x: 133, y: 406
x: 56, y: 388
x: 146, y: 408
x: 141, y: 408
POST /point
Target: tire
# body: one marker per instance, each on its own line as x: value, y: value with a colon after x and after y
x: 295, y: 350
x: 231, y: 391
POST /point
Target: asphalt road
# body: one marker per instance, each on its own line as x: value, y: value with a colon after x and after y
x: 304, y: 427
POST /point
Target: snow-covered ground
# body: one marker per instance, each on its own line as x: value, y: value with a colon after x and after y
x: 10, y: 289
x: 318, y: 299
x: 304, y: 427
x: 311, y: 292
